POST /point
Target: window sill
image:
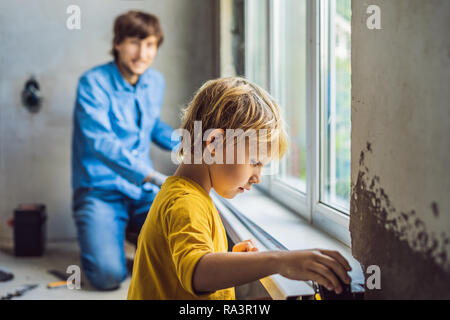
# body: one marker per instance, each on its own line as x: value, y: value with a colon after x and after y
x: 286, y: 227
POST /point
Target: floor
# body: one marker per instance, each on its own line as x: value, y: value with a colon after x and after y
x: 57, y: 256
x: 60, y: 255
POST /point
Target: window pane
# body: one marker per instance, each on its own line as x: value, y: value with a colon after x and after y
x: 257, y: 46
x: 289, y: 73
x: 335, y: 103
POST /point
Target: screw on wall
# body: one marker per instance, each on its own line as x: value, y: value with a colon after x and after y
x: 31, y: 95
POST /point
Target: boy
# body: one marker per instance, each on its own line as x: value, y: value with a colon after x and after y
x: 182, y: 247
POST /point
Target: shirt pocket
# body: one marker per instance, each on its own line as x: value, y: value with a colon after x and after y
x: 121, y: 127
x: 149, y: 115
x: 121, y: 119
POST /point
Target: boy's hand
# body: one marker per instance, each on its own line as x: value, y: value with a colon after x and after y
x: 245, y: 246
x: 321, y: 266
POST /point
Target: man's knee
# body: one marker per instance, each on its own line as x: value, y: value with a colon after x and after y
x: 106, y: 277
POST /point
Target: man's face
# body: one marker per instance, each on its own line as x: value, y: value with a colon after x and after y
x: 136, y: 55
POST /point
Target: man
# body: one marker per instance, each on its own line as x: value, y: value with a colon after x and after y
x: 116, y: 117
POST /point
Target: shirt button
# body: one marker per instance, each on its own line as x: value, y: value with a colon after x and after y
x: 134, y: 152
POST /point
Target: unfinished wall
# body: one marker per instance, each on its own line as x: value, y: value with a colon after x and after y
x: 400, y: 204
x: 35, y: 148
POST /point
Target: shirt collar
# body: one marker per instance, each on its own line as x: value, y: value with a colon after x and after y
x: 122, y: 85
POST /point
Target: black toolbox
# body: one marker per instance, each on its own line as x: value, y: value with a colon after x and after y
x: 29, y: 230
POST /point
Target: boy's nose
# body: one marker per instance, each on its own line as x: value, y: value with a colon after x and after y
x: 255, y: 179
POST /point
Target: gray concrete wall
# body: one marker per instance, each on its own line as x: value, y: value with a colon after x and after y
x: 400, y: 205
x: 35, y: 148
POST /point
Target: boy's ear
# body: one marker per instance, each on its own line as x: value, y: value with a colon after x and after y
x: 214, y: 137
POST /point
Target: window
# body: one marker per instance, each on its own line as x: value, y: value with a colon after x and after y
x: 300, y: 50
x: 289, y: 85
x: 257, y: 31
x: 335, y: 104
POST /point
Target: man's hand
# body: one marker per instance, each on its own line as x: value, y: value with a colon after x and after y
x: 156, y: 178
x: 245, y: 246
x: 321, y: 266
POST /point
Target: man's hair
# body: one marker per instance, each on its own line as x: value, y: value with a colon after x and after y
x: 136, y: 24
x: 235, y: 103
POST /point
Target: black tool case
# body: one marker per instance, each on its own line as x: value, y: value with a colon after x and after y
x: 29, y: 230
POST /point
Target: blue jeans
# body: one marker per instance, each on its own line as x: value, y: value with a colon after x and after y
x: 101, y: 218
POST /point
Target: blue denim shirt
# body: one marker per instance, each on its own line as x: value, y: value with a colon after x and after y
x: 114, y: 125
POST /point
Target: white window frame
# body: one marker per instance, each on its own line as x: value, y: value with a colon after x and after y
x: 308, y: 206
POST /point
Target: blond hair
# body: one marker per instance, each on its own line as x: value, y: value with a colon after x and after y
x: 235, y: 103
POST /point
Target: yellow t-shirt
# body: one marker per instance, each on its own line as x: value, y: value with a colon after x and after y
x: 182, y: 226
